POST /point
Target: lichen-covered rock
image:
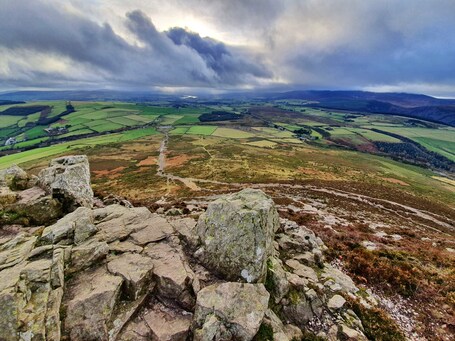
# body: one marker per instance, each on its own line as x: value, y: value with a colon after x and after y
x: 93, y: 296
x: 233, y: 310
x: 16, y: 250
x: 237, y: 233
x: 38, y: 210
x: 68, y: 179
x: 15, y: 178
x: 7, y: 197
x: 277, y: 281
x: 298, y: 310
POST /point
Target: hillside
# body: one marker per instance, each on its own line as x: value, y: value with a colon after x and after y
x: 361, y: 208
x: 411, y: 105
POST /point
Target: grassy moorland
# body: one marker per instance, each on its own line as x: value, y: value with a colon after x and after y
x: 389, y: 222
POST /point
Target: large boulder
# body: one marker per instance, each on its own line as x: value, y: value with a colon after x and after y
x: 68, y: 179
x: 237, y: 233
x: 229, y: 311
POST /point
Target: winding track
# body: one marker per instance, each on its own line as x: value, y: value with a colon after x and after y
x: 409, y: 211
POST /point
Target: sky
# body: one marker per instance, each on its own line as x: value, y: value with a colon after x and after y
x: 228, y: 45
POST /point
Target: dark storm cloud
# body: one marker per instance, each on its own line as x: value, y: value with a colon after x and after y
x: 216, y: 55
x: 279, y: 43
x: 39, y: 27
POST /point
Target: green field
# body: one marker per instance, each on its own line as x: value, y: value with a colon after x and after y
x: 232, y: 133
x: 179, y: 131
x: 66, y: 147
x: 201, y: 130
x: 6, y: 121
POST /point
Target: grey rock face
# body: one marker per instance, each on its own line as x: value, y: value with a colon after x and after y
x: 232, y: 311
x: 68, y: 179
x: 94, y: 296
x: 136, y: 271
x: 237, y: 233
x: 168, y: 324
x: 77, y: 225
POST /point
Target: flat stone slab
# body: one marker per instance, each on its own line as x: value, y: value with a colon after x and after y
x: 168, y: 324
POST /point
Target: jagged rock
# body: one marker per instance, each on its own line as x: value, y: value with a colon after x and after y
x: 273, y: 321
x: 38, y: 209
x: 126, y: 246
x: 346, y: 333
x: 77, y: 226
x: 84, y: 255
x: 92, y: 297
x: 10, y: 302
x: 135, y: 330
x: 298, y: 310
x: 186, y: 229
x: 112, y: 199
x: 336, y: 302
x: 296, y: 282
x: 7, y: 197
x: 136, y: 271
x: 346, y: 283
x: 124, y: 312
x: 14, y: 178
x: 84, y: 226
x: 40, y: 302
x: 316, y: 302
x: 168, y: 324
x: 57, y: 268
x: 277, y: 277
x: 174, y: 278
x: 157, y: 229
x: 117, y: 222
x: 16, y: 250
x: 230, y: 309
x: 68, y: 179
x: 237, y: 232
x: 293, y: 332
x: 53, y: 323
x: 302, y: 270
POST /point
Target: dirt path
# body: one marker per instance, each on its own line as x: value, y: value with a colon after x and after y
x: 192, y: 183
x: 162, y: 166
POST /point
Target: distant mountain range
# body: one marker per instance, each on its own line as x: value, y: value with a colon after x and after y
x: 404, y: 104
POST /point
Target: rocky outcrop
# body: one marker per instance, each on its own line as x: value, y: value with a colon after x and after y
x: 124, y: 273
x: 237, y: 233
x: 92, y: 297
x: 68, y: 179
x: 136, y: 271
x: 230, y: 311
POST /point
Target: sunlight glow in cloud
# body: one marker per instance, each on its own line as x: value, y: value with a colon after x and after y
x: 216, y: 44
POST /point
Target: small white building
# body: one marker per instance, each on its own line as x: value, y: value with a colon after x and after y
x: 10, y: 141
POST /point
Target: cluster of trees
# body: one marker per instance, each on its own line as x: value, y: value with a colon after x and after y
x: 219, y: 116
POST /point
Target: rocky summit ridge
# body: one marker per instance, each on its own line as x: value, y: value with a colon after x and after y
x: 73, y: 268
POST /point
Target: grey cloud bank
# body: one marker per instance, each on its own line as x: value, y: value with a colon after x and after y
x: 330, y: 44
